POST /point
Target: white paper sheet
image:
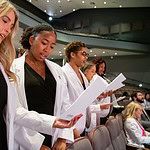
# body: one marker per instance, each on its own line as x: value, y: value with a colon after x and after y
x: 117, y: 100
x: 86, y: 98
x: 90, y: 94
x: 116, y: 83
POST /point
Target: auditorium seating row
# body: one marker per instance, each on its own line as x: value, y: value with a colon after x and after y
x: 110, y: 136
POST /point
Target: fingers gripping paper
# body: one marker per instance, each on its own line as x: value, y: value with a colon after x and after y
x: 91, y: 93
x: 85, y: 99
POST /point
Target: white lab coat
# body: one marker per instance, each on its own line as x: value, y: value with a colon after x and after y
x: 16, y: 132
x: 75, y: 88
x: 134, y: 133
x: 31, y: 118
x: 9, y: 110
x: 94, y: 113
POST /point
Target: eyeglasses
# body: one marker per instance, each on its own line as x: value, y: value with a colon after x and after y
x: 83, y: 53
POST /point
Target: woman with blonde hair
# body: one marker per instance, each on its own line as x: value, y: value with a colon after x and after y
x: 96, y: 109
x: 8, y: 27
x: 136, y: 134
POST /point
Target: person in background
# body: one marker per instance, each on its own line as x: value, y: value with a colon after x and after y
x: 76, y: 55
x: 21, y: 52
x: 147, y: 101
x: 138, y: 97
x: 95, y: 110
x: 89, y: 70
x: 42, y: 92
x: 109, y: 97
x: 136, y: 134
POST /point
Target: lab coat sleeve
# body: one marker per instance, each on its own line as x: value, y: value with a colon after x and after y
x: 68, y: 132
x: 27, y: 139
x: 134, y: 131
x: 95, y: 108
x: 33, y: 120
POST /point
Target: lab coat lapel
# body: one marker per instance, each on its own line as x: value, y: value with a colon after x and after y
x: 73, y: 75
x: 58, y: 88
x: 18, y: 68
x: 10, y: 109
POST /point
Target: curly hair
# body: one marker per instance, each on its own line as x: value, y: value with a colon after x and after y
x: 28, y: 32
x: 73, y: 47
x: 97, y: 61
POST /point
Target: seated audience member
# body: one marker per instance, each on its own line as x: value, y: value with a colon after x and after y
x: 96, y: 109
x: 147, y: 101
x: 136, y: 134
x: 126, y: 100
x: 137, y: 97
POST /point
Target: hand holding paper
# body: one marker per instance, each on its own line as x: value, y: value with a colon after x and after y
x: 85, y: 99
x: 116, y: 83
x: 90, y: 94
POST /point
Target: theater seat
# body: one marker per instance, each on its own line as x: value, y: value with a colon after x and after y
x: 100, y: 138
x: 116, y: 137
x: 81, y: 143
x: 119, y: 117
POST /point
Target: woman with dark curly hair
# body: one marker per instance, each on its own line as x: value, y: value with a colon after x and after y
x: 42, y: 91
x: 100, y: 66
x: 109, y: 97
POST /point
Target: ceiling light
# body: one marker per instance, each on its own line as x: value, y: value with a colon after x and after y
x: 94, y: 6
x: 60, y: 54
x: 105, y: 3
x: 111, y: 57
x: 116, y: 53
x: 140, y: 85
x: 120, y: 6
x: 60, y: 11
x: 103, y: 52
x: 74, y: 9
x: 47, y: 1
x: 45, y: 10
x: 50, y: 18
x: 83, y: 2
x: 58, y: 1
x: 64, y: 47
x: 68, y: 0
x: 91, y: 51
x: 30, y: 1
x: 94, y: 55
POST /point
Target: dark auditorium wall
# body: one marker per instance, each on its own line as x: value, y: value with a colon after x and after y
x: 131, y: 66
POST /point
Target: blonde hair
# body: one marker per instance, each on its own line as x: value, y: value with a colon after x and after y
x: 7, y: 50
x: 130, y: 110
x: 87, y: 66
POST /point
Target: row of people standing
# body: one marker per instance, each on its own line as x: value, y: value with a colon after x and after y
x: 43, y: 88
x: 20, y: 128
x: 36, y: 74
